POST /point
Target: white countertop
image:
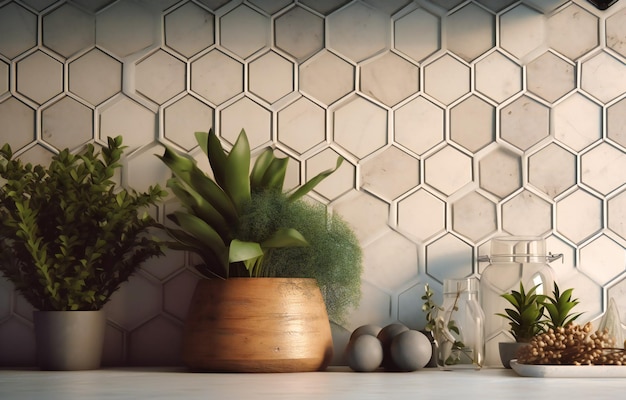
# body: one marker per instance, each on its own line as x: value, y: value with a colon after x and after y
x: 336, y: 383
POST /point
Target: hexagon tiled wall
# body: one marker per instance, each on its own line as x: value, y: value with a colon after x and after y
x: 459, y: 120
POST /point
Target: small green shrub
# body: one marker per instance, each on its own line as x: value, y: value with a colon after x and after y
x: 69, y: 236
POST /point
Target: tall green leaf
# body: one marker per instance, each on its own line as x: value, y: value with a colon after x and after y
x: 216, y: 155
x: 274, y: 177
x: 185, y: 168
x: 200, y: 207
x: 237, y: 182
x: 203, y: 232
x: 261, y: 164
x: 308, y: 186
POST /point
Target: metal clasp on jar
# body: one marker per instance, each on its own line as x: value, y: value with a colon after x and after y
x: 549, y: 258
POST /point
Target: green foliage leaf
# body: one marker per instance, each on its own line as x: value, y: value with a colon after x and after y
x: 189, y: 176
x: 237, y: 182
x: 216, y: 155
x: 310, y: 185
x: 285, y: 237
x: 241, y: 251
x: 203, y: 233
x: 525, y: 318
x: 68, y: 234
x: 274, y: 176
x: 559, y: 308
x: 261, y: 165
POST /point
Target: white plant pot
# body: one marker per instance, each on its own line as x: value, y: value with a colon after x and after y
x: 69, y: 340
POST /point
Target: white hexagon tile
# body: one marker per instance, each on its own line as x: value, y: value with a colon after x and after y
x: 458, y: 120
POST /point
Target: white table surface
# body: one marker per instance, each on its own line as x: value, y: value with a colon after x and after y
x: 336, y: 383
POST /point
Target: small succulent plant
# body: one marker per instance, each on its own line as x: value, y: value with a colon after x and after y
x: 559, y: 308
x: 526, y: 316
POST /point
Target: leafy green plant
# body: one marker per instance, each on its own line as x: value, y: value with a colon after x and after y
x: 241, y: 223
x: 526, y: 316
x: 213, y: 206
x: 69, y: 236
x: 559, y: 308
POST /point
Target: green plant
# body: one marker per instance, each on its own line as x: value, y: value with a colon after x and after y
x: 68, y: 235
x: 559, y: 308
x: 241, y: 223
x: 441, y: 325
x: 526, y: 316
x: 430, y: 308
x: 332, y: 256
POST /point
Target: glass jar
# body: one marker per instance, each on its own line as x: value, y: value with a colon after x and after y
x: 512, y: 260
x: 458, y: 329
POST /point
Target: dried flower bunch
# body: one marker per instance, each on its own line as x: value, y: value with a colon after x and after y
x: 572, y: 344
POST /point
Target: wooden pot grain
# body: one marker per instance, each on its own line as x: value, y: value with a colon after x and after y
x: 257, y: 325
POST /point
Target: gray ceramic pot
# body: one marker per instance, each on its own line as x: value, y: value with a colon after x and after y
x: 508, y: 352
x: 69, y: 340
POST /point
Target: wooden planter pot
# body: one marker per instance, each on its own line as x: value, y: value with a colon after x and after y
x: 257, y: 325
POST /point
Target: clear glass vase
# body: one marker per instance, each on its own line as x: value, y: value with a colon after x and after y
x: 459, y: 326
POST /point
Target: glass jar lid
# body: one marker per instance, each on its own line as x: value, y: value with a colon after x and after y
x: 519, y: 249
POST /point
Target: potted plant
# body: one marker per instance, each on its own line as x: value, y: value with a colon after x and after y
x: 246, y: 229
x: 564, y: 342
x: 525, y: 320
x: 69, y: 236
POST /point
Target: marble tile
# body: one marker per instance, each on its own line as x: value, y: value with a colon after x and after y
x: 378, y: 177
x: 358, y: 31
x: 160, y: 76
x: 125, y: 28
x: 67, y: 30
x: 389, y: 89
x: 216, y: 77
x: 95, y: 91
x: 470, y: 31
x: 189, y: 29
x: 271, y: 77
x: 299, y: 32
x: 244, y: 42
x: 360, y: 126
x: 39, y: 77
x: 18, y: 30
x: 417, y: 23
